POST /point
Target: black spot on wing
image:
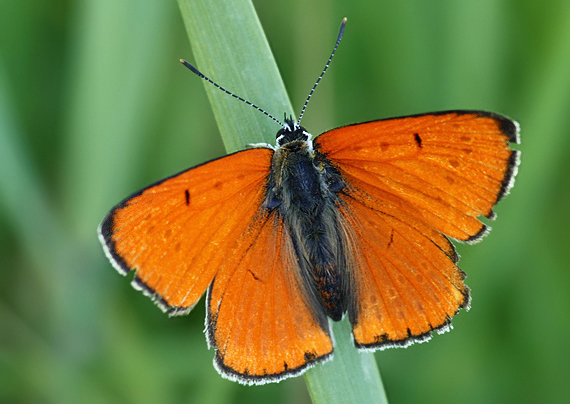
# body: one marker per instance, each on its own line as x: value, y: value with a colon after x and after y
x: 418, y: 140
x: 187, y: 197
x: 391, y: 239
x: 310, y: 356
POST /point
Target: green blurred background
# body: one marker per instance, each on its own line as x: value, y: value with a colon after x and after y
x: 94, y: 105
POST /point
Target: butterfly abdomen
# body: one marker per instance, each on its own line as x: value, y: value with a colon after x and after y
x: 303, y: 187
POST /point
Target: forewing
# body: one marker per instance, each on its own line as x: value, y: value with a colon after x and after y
x: 176, y: 234
x: 444, y: 169
x: 260, y: 319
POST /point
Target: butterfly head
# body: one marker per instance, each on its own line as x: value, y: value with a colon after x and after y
x: 292, y: 132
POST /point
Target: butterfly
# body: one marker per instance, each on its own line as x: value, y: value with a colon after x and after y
x: 356, y: 222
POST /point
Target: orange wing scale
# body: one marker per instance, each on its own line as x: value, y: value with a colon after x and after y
x: 410, y: 182
x: 177, y: 233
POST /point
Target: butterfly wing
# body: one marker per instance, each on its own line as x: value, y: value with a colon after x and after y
x: 176, y: 234
x: 207, y: 223
x: 413, y: 181
x: 260, y: 320
x: 445, y: 168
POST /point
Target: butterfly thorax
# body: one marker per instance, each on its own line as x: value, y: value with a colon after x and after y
x: 302, y: 188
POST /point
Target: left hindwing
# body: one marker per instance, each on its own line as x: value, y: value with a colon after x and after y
x: 260, y: 319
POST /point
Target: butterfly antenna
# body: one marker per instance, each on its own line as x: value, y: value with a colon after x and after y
x: 338, y: 39
x: 209, y: 80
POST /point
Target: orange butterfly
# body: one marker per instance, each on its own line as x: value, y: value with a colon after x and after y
x: 353, y: 222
